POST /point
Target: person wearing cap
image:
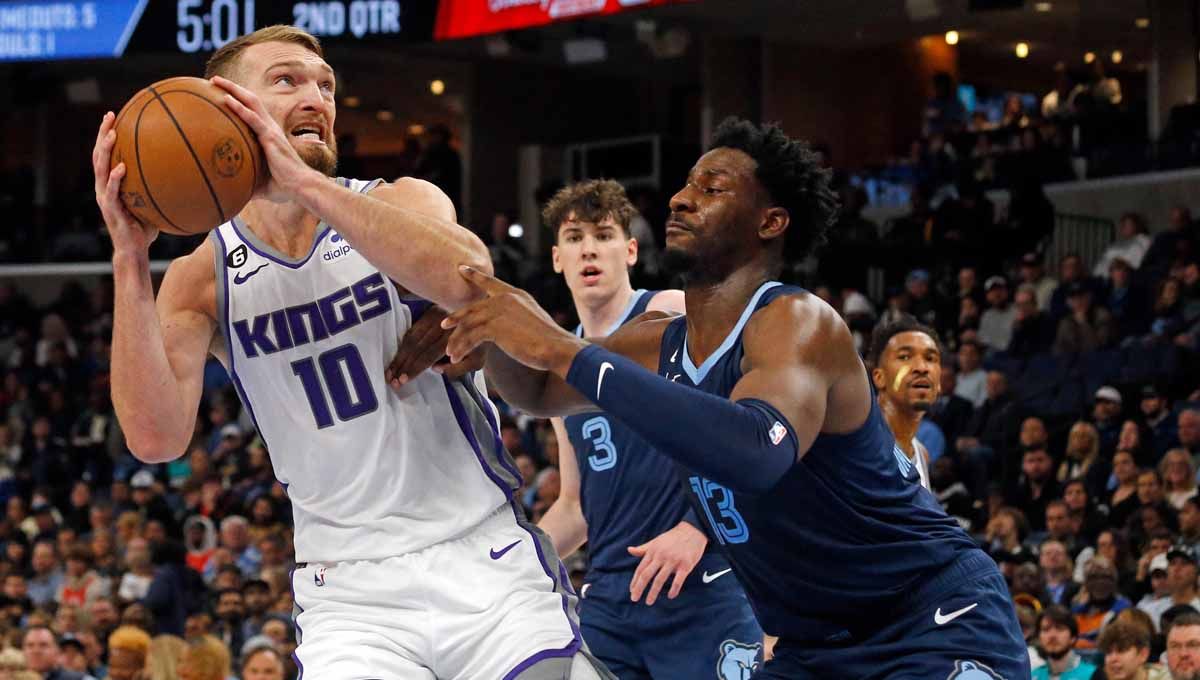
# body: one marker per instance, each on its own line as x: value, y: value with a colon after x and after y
x: 148, y: 502
x: 1057, y: 633
x: 1156, y: 413
x: 1160, y: 586
x: 1106, y: 416
x: 1087, y: 327
x: 996, y: 322
x: 1181, y: 582
x: 1033, y: 274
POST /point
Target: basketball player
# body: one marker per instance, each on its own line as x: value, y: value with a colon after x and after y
x: 768, y: 407
x: 906, y: 361
x: 410, y: 565
x: 624, y: 499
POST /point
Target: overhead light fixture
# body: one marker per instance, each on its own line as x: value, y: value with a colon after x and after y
x: 1142, y: 22
x: 416, y: 129
x: 1089, y: 57
x: 1117, y: 56
x: 351, y: 102
x: 437, y: 87
x: 951, y: 37
x: 384, y: 116
x: 515, y: 230
x: 1022, y: 50
x: 1043, y: 6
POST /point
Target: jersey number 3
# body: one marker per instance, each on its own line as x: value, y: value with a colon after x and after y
x: 599, y: 432
x: 345, y: 383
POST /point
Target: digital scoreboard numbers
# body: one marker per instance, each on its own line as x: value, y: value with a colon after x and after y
x: 42, y: 30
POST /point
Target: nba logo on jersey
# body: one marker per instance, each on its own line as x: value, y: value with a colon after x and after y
x: 319, y: 577
x: 972, y: 670
x: 778, y: 432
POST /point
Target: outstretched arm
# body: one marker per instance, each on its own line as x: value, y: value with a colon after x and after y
x: 797, y: 349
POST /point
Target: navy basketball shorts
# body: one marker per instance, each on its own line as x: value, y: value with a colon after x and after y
x: 959, y: 625
x: 707, y: 633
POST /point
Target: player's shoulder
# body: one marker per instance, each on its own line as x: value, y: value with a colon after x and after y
x: 406, y: 190
x: 799, y: 316
x: 671, y: 301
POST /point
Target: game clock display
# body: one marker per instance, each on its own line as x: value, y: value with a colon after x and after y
x: 45, y: 30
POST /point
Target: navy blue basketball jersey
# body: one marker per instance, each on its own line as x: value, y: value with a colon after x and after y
x: 842, y: 536
x: 630, y: 493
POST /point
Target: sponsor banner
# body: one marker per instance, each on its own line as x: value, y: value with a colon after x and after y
x: 465, y: 18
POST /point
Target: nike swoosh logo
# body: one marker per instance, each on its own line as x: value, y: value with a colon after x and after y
x: 239, y: 279
x: 497, y: 554
x: 675, y: 355
x: 603, y: 367
x: 941, y: 620
x: 709, y: 578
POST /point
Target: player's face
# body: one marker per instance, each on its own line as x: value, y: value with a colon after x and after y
x: 715, y: 214
x: 910, y: 370
x: 1123, y: 664
x: 297, y: 87
x: 594, y: 258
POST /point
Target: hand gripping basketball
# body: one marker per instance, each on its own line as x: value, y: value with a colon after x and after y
x: 285, y: 167
x: 128, y: 235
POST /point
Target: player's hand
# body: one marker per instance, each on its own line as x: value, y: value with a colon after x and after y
x: 286, y: 168
x: 127, y: 233
x: 670, y: 555
x: 511, y: 319
x: 423, y: 347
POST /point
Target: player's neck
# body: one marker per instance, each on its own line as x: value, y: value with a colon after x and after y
x: 714, y: 309
x: 599, y: 315
x: 286, y: 227
x: 903, y: 422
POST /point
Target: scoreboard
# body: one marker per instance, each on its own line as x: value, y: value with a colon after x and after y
x: 44, y: 30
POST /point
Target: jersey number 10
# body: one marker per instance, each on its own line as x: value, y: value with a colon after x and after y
x: 346, y: 384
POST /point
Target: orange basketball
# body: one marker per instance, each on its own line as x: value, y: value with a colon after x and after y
x: 191, y: 163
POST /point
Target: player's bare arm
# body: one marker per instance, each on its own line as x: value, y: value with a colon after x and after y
x: 158, y: 347
x: 408, y: 229
x: 564, y: 522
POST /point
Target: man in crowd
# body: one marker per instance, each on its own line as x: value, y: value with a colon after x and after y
x: 1181, y: 581
x: 47, y: 577
x: 1183, y: 647
x: 1056, y: 566
x: 972, y: 379
x: 1156, y: 412
x: 1126, y: 648
x: 1102, y: 602
x: 1033, y: 274
x: 42, y: 655
x: 1057, y: 633
x: 1032, y: 329
x: 996, y: 322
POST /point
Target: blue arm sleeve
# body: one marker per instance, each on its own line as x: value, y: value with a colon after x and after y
x: 746, y: 446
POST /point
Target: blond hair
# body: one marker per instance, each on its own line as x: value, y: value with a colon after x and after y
x: 207, y: 658
x: 130, y: 639
x: 224, y: 61
x: 12, y: 659
x: 162, y: 661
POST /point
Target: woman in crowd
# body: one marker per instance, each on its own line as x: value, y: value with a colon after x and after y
x: 1179, y: 477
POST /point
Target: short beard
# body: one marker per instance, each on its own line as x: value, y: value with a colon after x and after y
x: 678, y: 261
x: 1060, y: 655
x: 323, y: 160
x: 922, y: 406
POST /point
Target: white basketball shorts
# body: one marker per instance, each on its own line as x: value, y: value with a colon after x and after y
x: 484, y: 606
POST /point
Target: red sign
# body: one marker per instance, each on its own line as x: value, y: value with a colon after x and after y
x: 465, y: 18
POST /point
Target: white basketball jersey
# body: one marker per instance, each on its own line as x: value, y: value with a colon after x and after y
x: 371, y: 472
x: 920, y: 461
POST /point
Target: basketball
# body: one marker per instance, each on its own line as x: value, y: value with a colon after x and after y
x: 191, y: 163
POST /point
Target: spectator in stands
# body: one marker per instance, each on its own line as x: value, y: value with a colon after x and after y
x: 1179, y: 477
x: 1057, y: 634
x: 1126, y: 300
x: 168, y: 597
x: 1055, y: 563
x: 1157, y: 414
x: 955, y: 497
x: 135, y: 583
x: 996, y: 322
x: 1189, y: 523
x: 127, y: 651
x: 1160, y: 585
x: 1059, y: 526
x: 81, y: 583
x: 235, y: 537
x: 47, y: 578
x: 105, y: 617
x: 1070, y: 272
x: 972, y: 379
x: 950, y: 412
x: 1005, y: 533
x: 1181, y: 582
x: 968, y: 286
x: 1036, y: 487
x: 1086, y: 516
x: 263, y: 663
x: 1083, y: 459
x: 1032, y: 329
x: 1175, y: 242
x: 1131, y: 245
x: 1183, y: 647
x: 1106, y: 416
x: 921, y: 303
x: 1087, y: 327
x: 1189, y: 432
x: 1168, y: 320
x: 42, y: 654
x: 944, y: 112
x: 1098, y: 601
x: 206, y: 658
